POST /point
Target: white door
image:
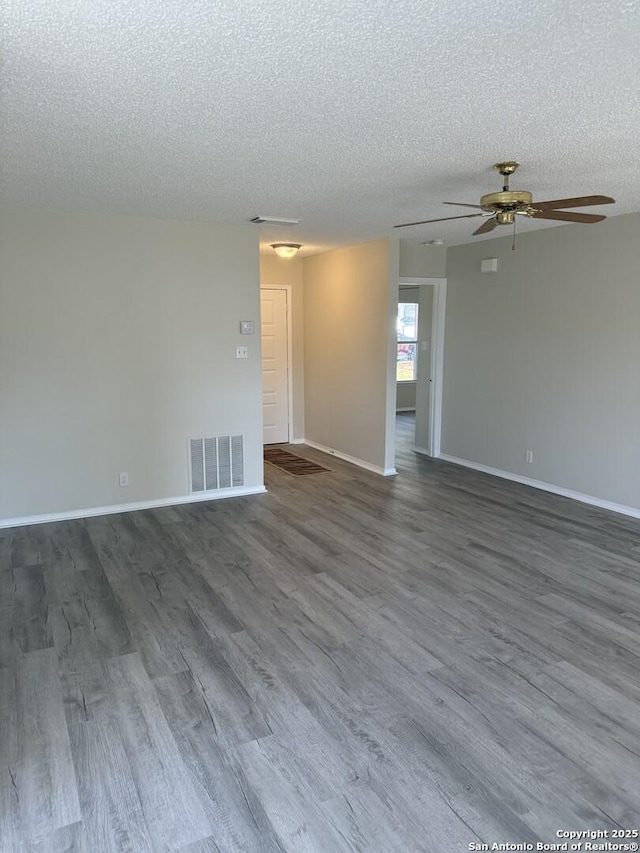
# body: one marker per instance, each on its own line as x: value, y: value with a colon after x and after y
x: 275, y: 367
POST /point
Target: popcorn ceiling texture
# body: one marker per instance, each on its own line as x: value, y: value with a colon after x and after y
x: 349, y: 115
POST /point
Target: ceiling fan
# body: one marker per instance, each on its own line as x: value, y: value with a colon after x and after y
x: 501, y: 208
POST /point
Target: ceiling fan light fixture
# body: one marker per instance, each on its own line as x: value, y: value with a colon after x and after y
x: 286, y: 250
x: 505, y: 217
x: 503, y: 207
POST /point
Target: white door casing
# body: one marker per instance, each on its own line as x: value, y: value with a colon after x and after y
x: 275, y: 364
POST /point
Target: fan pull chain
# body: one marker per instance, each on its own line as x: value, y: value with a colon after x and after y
x: 513, y: 244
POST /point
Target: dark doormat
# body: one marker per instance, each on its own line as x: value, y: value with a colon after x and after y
x: 289, y: 462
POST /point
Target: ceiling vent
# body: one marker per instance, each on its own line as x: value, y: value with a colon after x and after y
x: 274, y: 220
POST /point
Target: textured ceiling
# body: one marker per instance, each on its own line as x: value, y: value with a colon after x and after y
x: 350, y: 115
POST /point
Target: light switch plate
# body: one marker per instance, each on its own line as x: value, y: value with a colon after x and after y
x: 242, y: 352
x: 247, y: 327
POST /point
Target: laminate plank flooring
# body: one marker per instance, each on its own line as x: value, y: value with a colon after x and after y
x: 348, y: 663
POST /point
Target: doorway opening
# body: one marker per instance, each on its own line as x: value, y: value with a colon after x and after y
x: 421, y: 392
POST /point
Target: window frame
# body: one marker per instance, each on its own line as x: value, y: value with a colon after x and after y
x: 413, y: 341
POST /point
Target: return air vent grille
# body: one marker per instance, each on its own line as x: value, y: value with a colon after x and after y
x: 216, y: 463
x: 274, y: 220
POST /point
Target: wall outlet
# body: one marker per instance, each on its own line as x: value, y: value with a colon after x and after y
x: 123, y: 479
x: 242, y: 352
x: 528, y: 456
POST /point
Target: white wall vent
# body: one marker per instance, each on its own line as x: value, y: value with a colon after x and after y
x: 216, y: 463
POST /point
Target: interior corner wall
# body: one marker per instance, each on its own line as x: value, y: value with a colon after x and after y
x: 349, y: 298
x: 117, y: 344
x: 418, y: 261
x: 543, y: 356
x: 275, y: 271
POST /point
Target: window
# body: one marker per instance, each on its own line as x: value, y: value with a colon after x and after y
x: 407, y: 354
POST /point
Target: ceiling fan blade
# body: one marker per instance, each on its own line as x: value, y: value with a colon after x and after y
x: 581, y: 201
x: 566, y: 216
x: 487, y: 226
x: 459, y: 204
x: 446, y: 218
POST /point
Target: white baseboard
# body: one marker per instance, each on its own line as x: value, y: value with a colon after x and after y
x: 131, y: 507
x: 386, y: 472
x: 622, y: 509
x: 297, y: 441
x: 422, y: 450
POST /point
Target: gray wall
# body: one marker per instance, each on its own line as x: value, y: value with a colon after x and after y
x: 117, y: 343
x: 417, y: 261
x: 405, y: 396
x: 545, y: 355
x: 350, y: 306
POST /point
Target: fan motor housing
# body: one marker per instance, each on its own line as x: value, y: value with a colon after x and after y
x: 506, y: 200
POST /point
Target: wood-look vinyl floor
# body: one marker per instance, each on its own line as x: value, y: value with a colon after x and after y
x: 348, y: 663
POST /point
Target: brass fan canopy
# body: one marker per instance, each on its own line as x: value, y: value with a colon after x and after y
x: 507, y: 168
